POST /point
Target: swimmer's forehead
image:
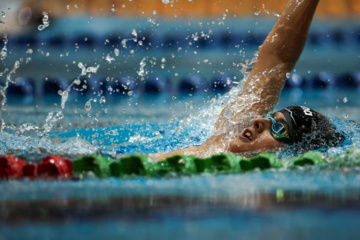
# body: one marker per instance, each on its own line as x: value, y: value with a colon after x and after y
x: 279, y: 117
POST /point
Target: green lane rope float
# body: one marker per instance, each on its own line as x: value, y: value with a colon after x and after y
x: 57, y: 167
x: 309, y: 158
x: 177, y: 164
x: 225, y: 163
x: 97, y: 164
x: 262, y: 161
x: 134, y: 165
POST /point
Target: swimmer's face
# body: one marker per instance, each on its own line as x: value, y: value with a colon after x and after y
x: 257, y: 136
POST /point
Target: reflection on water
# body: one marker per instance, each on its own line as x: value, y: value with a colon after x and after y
x: 162, y: 207
x: 271, y: 214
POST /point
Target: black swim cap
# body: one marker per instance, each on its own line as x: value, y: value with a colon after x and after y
x: 308, y: 126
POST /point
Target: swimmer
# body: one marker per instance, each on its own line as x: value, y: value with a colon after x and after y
x: 245, y: 126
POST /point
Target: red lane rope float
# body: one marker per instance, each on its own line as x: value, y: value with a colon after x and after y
x: 52, y: 166
x: 11, y: 167
x: 55, y: 166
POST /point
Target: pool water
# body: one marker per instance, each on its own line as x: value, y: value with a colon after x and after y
x: 287, y: 203
x: 312, y: 202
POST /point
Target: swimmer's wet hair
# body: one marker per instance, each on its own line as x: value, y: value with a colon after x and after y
x: 310, y: 130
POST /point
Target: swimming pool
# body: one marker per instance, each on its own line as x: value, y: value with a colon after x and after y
x: 305, y: 202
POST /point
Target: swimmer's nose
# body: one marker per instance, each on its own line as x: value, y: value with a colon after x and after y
x: 260, y: 124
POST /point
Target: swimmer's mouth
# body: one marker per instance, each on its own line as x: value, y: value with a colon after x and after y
x: 247, y: 134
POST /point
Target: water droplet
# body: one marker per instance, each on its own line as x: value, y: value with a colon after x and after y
x: 287, y: 75
x: 276, y: 14
x: 60, y: 115
x: 102, y: 100
x: 75, y: 5
x: 173, y: 97
x: 165, y: 1
x: 77, y: 81
x: 345, y: 100
x: 123, y: 43
x: 163, y: 60
x: 113, y: 9
x: 154, y: 12
x: 133, y: 32
x: 68, y: 7
x: 228, y: 81
x: 109, y: 59
x: 88, y: 105
x: 116, y: 52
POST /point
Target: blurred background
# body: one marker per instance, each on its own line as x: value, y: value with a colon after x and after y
x: 169, y: 48
x: 141, y: 39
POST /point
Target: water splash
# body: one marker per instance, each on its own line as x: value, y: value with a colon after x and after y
x: 142, y: 72
x: 167, y: 1
x: 134, y: 39
x: 265, y: 10
x: 26, y: 146
x: 85, y: 70
x: 53, y: 117
x: 109, y: 59
x: 45, y: 21
x: 3, y: 90
x: 3, y: 53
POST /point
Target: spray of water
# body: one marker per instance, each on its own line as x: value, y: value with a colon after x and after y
x: 45, y: 21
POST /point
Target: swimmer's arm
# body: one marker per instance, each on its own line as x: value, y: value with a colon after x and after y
x: 279, y: 52
x: 211, y: 144
x: 185, y: 151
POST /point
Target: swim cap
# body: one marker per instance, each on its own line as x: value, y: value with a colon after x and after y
x: 305, y: 124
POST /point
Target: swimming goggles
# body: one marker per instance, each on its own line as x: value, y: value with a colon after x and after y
x: 278, y: 130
